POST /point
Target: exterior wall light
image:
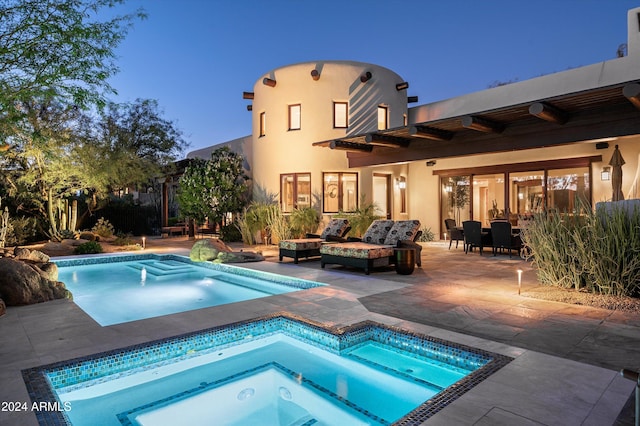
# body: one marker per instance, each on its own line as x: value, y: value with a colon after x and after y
x: 606, y: 173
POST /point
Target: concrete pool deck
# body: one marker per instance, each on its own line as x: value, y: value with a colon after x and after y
x: 566, y: 357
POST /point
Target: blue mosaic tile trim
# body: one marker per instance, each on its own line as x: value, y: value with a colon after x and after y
x: 125, y: 417
x: 221, y: 267
x: 82, y: 371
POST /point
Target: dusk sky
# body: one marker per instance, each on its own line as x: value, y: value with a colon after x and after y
x: 196, y: 57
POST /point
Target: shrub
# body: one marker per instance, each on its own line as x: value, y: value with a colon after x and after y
x: 66, y: 234
x: 427, y: 235
x: 89, y: 236
x: 597, y: 251
x: 21, y: 230
x: 103, y: 228
x: 361, y: 218
x: 123, y: 240
x: 89, y: 247
x: 230, y: 233
x: 304, y: 221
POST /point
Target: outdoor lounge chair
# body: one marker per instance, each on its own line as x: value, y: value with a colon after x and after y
x: 310, y: 247
x: 376, y: 248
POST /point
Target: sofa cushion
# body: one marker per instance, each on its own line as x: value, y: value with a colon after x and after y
x: 336, y: 227
x: 358, y: 250
x: 377, y: 231
x: 402, y: 230
x: 301, y: 244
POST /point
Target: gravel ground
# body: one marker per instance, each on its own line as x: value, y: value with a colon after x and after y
x: 624, y: 304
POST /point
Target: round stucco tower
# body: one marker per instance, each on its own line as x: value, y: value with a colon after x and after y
x: 297, y: 105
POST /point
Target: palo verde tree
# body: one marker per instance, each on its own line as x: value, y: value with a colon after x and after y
x: 58, y: 49
x: 212, y: 188
x: 131, y: 143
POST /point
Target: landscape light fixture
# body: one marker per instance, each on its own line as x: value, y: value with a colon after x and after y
x: 402, y: 86
x: 606, y: 173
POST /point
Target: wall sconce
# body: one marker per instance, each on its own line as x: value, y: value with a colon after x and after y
x: 402, y: 86
x: 606, y: 173
x: 401, y: 183
x: 431, y: 163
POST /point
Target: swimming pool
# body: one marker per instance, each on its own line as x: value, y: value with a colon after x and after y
x: 117, y: 289
x: 276, y: 369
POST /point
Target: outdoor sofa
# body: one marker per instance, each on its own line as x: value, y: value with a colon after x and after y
x: 310, y: 247
x: 376, y: 247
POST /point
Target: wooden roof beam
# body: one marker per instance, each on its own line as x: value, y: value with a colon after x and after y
x: 482, y: 124
x: 430, y: 133
x: 548, y: 112
x: 350, y: 146
x: 386, y: 140
x: 632, y: 93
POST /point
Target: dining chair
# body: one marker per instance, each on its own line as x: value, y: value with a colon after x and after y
x: 503, y: 238
x: 474, y: 236
x: 454, y: 232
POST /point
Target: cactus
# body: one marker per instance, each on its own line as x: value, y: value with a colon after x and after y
x: 4, y: 225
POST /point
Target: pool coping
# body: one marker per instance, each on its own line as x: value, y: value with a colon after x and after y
x: 40, y: 390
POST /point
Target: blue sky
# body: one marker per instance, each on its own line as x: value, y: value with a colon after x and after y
x: 196, y: 57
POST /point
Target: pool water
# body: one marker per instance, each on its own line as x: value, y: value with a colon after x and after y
x: 278, y: 369
x: 113, y: 292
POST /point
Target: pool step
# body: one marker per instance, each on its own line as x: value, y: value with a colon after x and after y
x: 156, y: 271
x: 432, y: 373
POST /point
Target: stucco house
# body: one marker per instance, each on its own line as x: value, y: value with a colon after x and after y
x: 341, y: 131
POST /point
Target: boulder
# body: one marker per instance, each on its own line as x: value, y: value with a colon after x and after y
x: 3, y: 308
x: 48, y: 270
x: 238, y: 257
x: 22, y: 283
x: 207, y: 249
x: 32, y: 255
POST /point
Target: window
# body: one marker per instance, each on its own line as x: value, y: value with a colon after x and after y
x: 339, y: 192
x: 455, y: 198
x: 294, y: 117
x: 262, y: 124
x: 295, y: 191
x: 568, y: 189
x: 340, y: 115
x: 383, y: 117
